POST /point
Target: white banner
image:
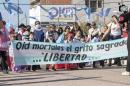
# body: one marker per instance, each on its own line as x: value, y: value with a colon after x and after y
x: 30, y: 53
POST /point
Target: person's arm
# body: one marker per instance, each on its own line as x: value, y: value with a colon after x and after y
x: 116, y: 21
x: 88, y: 38
x: 107, y: 32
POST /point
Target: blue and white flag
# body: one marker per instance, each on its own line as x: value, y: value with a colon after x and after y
x: 104, y: 12
x: 88, y: 11
x: 60, y: 39
x: 10, y: 7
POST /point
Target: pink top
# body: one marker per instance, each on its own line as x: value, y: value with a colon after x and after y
x: 4, y: 39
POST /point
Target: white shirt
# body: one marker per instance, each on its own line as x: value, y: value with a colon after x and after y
x: 93, y: 31
x: 115, y: 29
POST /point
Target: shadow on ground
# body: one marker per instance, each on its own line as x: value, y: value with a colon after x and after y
x: 57, y: 80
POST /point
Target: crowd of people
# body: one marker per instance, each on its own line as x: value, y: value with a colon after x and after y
x: 67, y: 34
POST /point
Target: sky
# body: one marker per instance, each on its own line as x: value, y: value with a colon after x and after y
x: 9, y: 12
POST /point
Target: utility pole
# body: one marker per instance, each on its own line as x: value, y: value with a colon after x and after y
x: 26, y: 18
x: 103, y: 8
x: 18, y: 14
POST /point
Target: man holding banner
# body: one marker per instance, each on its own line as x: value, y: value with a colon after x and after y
x: 127, y: 19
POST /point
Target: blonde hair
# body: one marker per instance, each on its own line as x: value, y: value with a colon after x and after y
x: 104, y: 29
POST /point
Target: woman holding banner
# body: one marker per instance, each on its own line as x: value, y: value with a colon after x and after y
x: 115, y: 33
x: 3, y: 47
x: 50, y: 39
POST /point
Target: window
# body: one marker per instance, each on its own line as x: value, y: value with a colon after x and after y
x: 87, y: 3
x: 94, y: 4
x: 99, y: 3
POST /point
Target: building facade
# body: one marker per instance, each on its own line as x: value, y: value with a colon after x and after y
x: 51, y: 2
x: 95, y: 5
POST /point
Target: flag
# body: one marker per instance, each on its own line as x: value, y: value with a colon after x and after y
x: 104, y: 12
x: 100, y: 13
x: 60, y: 39
x: 12, y: 7
x: 8, y: 25
x: 88, y: 11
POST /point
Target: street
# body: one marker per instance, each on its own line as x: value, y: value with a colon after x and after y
x: 88, y: 76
